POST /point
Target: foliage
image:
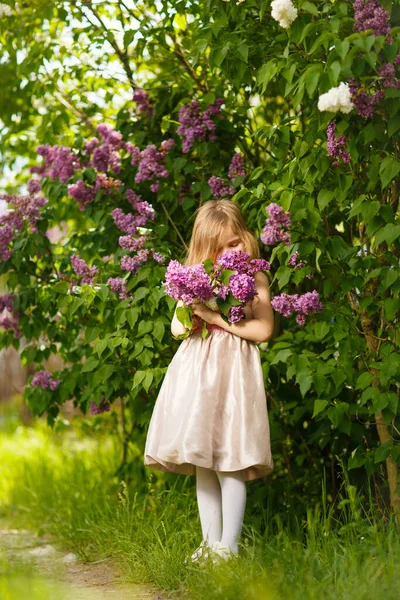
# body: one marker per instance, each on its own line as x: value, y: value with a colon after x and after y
x: 328, y: 381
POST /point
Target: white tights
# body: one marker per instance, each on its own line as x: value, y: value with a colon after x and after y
x: 221, y: 494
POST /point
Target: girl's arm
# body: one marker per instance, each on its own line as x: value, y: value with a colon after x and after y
x: 258, y: 329
x: 177, y: 328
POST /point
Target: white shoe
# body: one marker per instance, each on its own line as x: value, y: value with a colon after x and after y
x: 201, y: 552
x: 222, y: 551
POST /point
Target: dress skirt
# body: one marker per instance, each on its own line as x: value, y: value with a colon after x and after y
x: 211, y: 409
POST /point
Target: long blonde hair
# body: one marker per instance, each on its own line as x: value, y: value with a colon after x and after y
x: 210, y: 220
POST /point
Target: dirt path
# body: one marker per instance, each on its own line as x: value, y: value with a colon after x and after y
x: 35, y: 562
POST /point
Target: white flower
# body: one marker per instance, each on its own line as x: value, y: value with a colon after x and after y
x: 5, y: 10
x: 3, y: 208
x: 337, y: 98
x: 284, y: 12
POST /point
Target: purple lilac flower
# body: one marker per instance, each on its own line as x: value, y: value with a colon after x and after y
x: 90, y: 145
x: 9, y: 321
x: 129, y: 242
x: 235, y: 314
x: 133, y: 198
x: 364, y: 103
x: 143, y: 102
x: 196, y: 125
x: 371, y: 15
x: 336, y: 146
x: 218, y: 189
x: 388, y: 72
x: 243, y: 287
x: 25, y: 208
x: 273, y: 231
x: 158, y: 257
x: 43, y: 379
x: 186, y: 283
x: 118, y: 286
x: 83, y: 270
x: 126, y: 223
x: 236, y: 167
x: 293, y: 261
x: 151, y: 165
x: 133, y: 263
x: 302, y: 304
x: 103, y: 407
x: 234, y: 260
x: 223, y: 291
x: 59, y: 162
x: 34, y: 186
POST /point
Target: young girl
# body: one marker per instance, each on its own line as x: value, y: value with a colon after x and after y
x: 210, y: 419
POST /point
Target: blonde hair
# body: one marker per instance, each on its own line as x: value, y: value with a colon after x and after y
x: 210, y: 220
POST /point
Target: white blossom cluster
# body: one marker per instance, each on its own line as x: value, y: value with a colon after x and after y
x: 5, y: 10
x: 284, y: 12
x: 337, y: 98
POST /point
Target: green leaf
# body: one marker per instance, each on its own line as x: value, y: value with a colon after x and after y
x: 389, y: 168
x: 310, y: 8
x: 383, y: 451
x: 266, y: 73
x: 132, y: 315
x: 319, y: 406
x: 389, y: 233
x: 140, y: 293
x: 281, y: 356
x: 158, y: 330
x: 90, y: 364
x: 324, y: 197
x: 148, y: 380
x: 100, y: 346
x: 364, y: 380
x: 138, y: 378
x: 356, y: 459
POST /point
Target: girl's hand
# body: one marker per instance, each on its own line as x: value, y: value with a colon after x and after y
x: 204, y: 312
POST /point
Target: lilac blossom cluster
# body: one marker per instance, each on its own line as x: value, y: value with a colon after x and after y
x: 150, y: 162
x: 59, y: 162
x: 85, y: 194
x: 218, y: 188
x: 388, y: 73
x: 189, y: 283
x: 364, y: 103
x: 44, y: 380
x: 26, y: 208
x: 236, y: 168
x: 9, y: 321
x: 83, y: 270
x: 104, y: 406
x: 303, y: 305
x: 196, y: 125
x: 273, y: 231
x: 336, y: 147
x: 293, y: 261
x: 370, y: 14
x: 128, y: 224
x: 118, y: 286
x: 143, y: 102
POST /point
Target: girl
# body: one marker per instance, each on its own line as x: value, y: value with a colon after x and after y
x: 210, y: 419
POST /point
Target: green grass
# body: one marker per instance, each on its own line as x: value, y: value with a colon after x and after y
x: 65, y: 483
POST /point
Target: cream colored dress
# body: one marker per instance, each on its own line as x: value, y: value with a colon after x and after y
x: 211, y: 409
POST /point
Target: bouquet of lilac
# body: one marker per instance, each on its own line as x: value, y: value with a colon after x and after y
x: 226, y: 285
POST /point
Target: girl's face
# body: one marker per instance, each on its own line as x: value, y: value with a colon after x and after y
x: 230, y: 241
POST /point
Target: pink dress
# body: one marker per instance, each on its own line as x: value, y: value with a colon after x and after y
x: 211, y: 409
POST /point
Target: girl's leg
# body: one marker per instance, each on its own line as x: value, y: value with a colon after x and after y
x: 209, y: 501
x: 234, y: 496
